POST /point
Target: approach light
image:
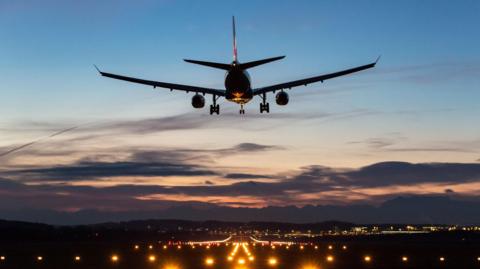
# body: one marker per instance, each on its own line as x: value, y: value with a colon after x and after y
x: 344, y: 247
x: 114, y: 258
x: 2, y: 258
x: 404, y: 259
x: 478, y: 259
x: 230, y: 258
x: 179, y: 247
x: 442, y: 259
x: 251, y: 258
x: 39, y: 258
x: 316, y: 247
x: 330, y: 258
x: 330, y: 247
x: 136, y: 247
x: 209, y: 261
x: 302, y: 247
x: 241, y: 261
x: 367, y: 258
x: 272, y: 261
x: 165, y: 247
x: 152, y: 258
x: 273, y: 246
x: 150, y: 246
x: 77, y: 258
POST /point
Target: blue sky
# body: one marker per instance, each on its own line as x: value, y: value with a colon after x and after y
x: 419, y: 105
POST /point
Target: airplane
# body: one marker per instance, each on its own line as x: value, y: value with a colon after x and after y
x: 238, y: 88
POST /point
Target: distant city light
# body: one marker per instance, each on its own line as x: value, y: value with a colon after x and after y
x: 272, y: 261
x: 330, y: 258
x: 114, y: 258
x: 209, y: 261
x: 367, y: 258
x: 152, y: 258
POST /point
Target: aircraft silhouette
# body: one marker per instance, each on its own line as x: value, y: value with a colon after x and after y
x: 238, y: 88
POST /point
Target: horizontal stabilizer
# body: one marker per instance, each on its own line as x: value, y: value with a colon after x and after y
x: 209, y: 64
x: 260, y: 62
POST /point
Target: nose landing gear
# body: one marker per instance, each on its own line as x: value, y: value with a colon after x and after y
x: 242, y: 111
x: 264, y: 106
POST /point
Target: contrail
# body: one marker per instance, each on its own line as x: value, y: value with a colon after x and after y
x: 37, y: 141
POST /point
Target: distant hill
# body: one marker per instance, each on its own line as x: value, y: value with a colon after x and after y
x: 412, y: 209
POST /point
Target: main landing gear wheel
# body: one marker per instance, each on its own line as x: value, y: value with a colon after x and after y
x: 214, y: 109
x: 265, y: 107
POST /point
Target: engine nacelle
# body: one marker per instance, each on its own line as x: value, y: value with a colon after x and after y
x: 281, y: 98
x: 198, y: 101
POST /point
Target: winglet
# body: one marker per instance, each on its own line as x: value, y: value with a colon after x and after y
x: 97, y: 69
x: 378, y: 58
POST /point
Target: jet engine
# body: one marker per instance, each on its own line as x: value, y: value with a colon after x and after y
x: 198, y: 101
x: 281, y: 98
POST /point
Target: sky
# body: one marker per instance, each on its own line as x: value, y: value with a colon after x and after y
x: 407, y: 127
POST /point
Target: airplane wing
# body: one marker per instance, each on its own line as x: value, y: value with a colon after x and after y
x: 166, y: 85
x: 306, y: 81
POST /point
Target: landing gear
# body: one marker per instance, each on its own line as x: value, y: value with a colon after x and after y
x: 242, y: 111
x: 264, y: 106
x: 214, y: 108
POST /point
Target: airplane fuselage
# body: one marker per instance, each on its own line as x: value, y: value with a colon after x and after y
x: 237, y: 85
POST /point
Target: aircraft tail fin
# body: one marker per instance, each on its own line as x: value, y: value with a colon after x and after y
x: 209, y: 64
x: 260, y: 62
x: 234, y: 40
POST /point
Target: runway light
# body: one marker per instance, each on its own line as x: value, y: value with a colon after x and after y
x: 241, y: 261
x: 136, y: 247
x: 367, y: 258
x: 193, y: 247
x: 273, y: 246
x: 2, y: 258
x: 287, y: 247
x: 405, y: 259
x: 209, y: 261
x: 330, y: 247
x: 165, y: 247
x: 150, y: 247
x: 230, y: 258
x: 316, y: 247
x: 179, y: 247
x: 272, y: 261
x: 302, y: 247
x: 207, y: 247
x: 114, y: 258
x: 39, y: 258
x: 344, y: 247
x: 478, y: 259
x: 152, y: 258
x: 251, y: 258
x: 77, y: 258
x: 330, y: 258
x: 442, y: 259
